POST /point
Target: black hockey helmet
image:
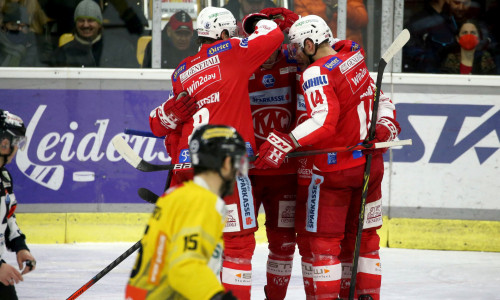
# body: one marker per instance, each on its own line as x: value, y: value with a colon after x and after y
x: 12, y: 128
x: 211, y: 144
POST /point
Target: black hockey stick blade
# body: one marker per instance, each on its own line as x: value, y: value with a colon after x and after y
x: 147, y: 195
x: 105, y: 271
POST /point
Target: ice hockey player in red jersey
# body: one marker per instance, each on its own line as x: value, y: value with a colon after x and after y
x: 273, y: 103
x: 338, y: 93
x: 217, y: 78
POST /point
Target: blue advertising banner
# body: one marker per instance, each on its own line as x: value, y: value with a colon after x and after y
x: 69, y: 157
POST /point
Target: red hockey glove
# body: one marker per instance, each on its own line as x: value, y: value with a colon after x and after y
x: 251, y: 20
x: 174, y: 112
x: 281, y: 16
x: 386, y: 130
x: 273, y: 151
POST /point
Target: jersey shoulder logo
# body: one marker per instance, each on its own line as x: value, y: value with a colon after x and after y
x: 244, y: 43
x: 332, y: 63
x: 178, y: 71
x: 221, y: 47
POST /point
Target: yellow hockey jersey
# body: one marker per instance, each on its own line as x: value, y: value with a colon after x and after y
x: 181, y: 251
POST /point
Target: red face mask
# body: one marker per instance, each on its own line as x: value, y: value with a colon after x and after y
x: 468, y: 41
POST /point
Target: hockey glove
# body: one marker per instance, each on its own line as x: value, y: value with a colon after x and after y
x: 281, y: 16
x: 224, y: 296
x: 273, y: 151
x: 173, y: 112
x: 386, y: 130
x: 251, y: 20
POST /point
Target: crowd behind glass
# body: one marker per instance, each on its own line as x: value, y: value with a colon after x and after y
x: 447, y: 36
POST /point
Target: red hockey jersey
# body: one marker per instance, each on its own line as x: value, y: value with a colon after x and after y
x: 338, y: 93
x: 273, y: 103
x: 217, y: 76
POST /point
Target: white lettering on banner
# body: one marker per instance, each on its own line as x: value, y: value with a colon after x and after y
x: 286, y: 214
x: 199, y: 67
x: 373, y: 214
x: 54, y: 146
x: 351, y: 62
x: 232, y: 218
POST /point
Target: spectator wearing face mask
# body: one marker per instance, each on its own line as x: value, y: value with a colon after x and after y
x: 467, y: 59
x: 17, y: 42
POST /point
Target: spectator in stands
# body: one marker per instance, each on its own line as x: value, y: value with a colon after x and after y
x: 176, y: 42
x: 493, y: 26
x: 241, y: 8
x: 432, y: 34
x: 91, y: 47
x: 17, y: 42
x: 357, y: 16
x: 124, y: 18
x: 467, y: 59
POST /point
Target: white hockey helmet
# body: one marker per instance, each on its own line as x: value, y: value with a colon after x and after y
x: 213, y: 20
x: 310, y: 27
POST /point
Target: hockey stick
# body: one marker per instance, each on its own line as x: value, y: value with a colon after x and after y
x: 141, y: 133
x: 105, y: 271
x: 397, y: 45
x: 351, y: 148
x: 140, y: 164
x: 147, y: 195
x: 137, y: 162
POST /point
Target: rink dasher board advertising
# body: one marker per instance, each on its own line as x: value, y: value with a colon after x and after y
x: 443, y: 186
x: 451, y: 170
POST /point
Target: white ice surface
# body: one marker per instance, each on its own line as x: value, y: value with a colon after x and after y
x: 407, y: 274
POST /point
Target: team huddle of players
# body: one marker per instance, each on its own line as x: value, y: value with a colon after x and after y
x: 256, y: 95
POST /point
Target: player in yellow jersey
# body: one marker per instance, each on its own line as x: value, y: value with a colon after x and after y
x: 181, y: 252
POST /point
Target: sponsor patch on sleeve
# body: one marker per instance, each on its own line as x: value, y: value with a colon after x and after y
x: 178, y: 71
x: 221, y: 47
x: 332, y: 63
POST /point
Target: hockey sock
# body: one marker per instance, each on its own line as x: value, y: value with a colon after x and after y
x: 345, y: 282
x: 237, y: 277
x: 279, y: 270
x: 307, y: 277
x: 326, y: 275
x: 369, y: 277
